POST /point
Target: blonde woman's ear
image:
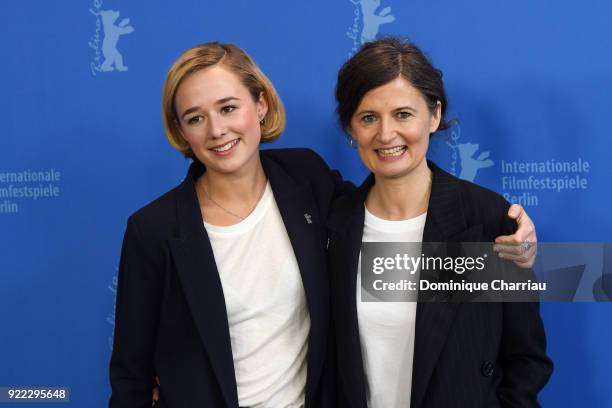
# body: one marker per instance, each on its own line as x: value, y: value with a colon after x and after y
x: 262, y: 106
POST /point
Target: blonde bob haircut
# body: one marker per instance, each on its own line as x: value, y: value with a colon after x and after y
x: 235, y: 60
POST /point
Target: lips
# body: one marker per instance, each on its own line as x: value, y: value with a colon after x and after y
x: 391, y: 151
x: 225, y: 147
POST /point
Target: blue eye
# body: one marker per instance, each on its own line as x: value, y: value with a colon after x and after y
x: 369, y: 118
x: 195, y: 120
x: 404, y: 115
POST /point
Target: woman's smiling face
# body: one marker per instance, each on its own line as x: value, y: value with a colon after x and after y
x: 391, y: 126
x: 219, y: 119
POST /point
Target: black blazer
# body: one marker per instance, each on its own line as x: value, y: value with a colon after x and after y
x: 465, y: 354
x: 171, y: 319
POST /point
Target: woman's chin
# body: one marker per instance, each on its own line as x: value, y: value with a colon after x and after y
x: 392, y: 170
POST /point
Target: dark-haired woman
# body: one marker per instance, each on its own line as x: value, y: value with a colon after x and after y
x: 390, y: 99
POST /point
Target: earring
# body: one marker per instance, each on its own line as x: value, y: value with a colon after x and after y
x: 262, y: 122
x: 352, y: 143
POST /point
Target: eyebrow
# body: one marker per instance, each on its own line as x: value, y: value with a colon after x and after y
x: 410, y: 108
x: 224, y: 100
x: 394, y: 110
x: 219, y: 102
x: 362, y: 112
x: 188, y: 111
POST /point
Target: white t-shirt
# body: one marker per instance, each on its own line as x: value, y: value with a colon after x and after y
x: 386, y: 329
x: 266, y: 307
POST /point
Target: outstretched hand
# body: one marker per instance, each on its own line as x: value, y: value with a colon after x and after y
x: 522, y: 246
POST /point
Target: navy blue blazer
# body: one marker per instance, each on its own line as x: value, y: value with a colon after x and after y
x: 465, y: 354
x: 171, y: 319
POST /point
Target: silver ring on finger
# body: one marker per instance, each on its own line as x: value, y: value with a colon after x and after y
x: 526, y: 245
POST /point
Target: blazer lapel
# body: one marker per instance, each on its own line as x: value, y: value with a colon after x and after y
x: 445, y: 222
x: 195, y: 264
x: 301, y: 218
x: 347, y: 224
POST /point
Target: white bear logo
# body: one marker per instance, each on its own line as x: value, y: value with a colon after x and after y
x: 372, y: 20
x: 113, y: 58
x: 366, y: 21
x: 470, y: 164
x: 462, y: 154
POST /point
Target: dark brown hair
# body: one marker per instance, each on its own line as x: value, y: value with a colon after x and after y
x: 380, y: 62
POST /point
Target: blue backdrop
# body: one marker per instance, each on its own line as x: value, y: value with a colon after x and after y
x: 82, y: 146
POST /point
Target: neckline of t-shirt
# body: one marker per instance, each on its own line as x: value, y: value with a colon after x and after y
x: 380, y: 224
x: 249, y: 222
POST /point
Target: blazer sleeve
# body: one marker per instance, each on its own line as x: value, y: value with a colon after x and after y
x: 341, y: 186
x: 139, y: 291
x: 526, y: 366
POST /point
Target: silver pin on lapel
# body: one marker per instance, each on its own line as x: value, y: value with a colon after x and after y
x: 308, y: 218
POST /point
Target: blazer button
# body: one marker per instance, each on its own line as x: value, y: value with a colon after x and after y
x: 487, y: 369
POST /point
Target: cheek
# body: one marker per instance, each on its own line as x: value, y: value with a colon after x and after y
x: 246, y: 122
x: 367, y: 156
x: 363, y: 137
x: 417, y: 133
x: 191, y: 135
